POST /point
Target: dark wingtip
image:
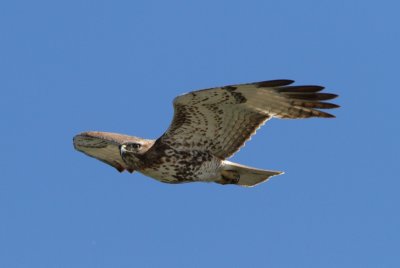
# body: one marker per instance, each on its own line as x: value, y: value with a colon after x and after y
x: 329, y: 115
x: 310, y: 96
x: 330, y: 105
x: 314, y: 104
x: 318, y: 113
x: 326, y: 96
x: 274, y: 83
x: 298, y: 89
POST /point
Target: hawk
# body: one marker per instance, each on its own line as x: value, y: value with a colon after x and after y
x: 208, y: 127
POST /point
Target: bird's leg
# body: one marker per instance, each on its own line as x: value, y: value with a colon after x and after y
x: 229, y: 177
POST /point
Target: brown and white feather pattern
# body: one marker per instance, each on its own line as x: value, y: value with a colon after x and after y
x: 220, y: 120
x: 208, y: 126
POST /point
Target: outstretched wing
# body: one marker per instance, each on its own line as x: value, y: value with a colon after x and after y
x: 104, y: 146
x: 222, y: 119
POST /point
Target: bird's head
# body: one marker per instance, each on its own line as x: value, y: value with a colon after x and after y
x: 106, y: 147
x: 132, y: 153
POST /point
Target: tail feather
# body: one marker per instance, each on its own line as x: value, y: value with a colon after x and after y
x: 244, y: 175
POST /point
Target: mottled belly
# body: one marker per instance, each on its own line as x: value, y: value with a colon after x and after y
x: 185, y: 167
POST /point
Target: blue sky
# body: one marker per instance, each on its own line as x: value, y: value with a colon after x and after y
x: 72, y: 66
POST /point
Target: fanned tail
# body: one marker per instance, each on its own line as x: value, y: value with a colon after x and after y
x: 233, y: 173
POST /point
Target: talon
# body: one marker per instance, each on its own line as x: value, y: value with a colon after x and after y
x: 229, y: 177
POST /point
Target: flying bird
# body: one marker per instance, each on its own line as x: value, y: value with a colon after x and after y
x: 208, y: 127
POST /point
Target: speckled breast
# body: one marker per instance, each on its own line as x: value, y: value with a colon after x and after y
x: 184, y: 166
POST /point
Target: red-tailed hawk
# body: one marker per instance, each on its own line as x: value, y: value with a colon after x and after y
x: 208, y: 127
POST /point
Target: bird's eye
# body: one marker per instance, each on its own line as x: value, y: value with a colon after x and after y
x: 133, y: 146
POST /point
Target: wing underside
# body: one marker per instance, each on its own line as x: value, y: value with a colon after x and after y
x: 222, y: 119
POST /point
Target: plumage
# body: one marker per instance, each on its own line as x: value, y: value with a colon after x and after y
x: 208, y: 127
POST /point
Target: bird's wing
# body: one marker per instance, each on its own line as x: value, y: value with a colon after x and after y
x: 104, y: 146
x: 222, y: 119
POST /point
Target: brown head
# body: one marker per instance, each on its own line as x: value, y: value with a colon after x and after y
x: 105, y: 146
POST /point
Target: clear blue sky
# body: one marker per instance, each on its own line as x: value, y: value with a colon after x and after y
x: 73, y: 66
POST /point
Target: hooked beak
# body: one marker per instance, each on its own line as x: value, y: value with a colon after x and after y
x: 122, y: 149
